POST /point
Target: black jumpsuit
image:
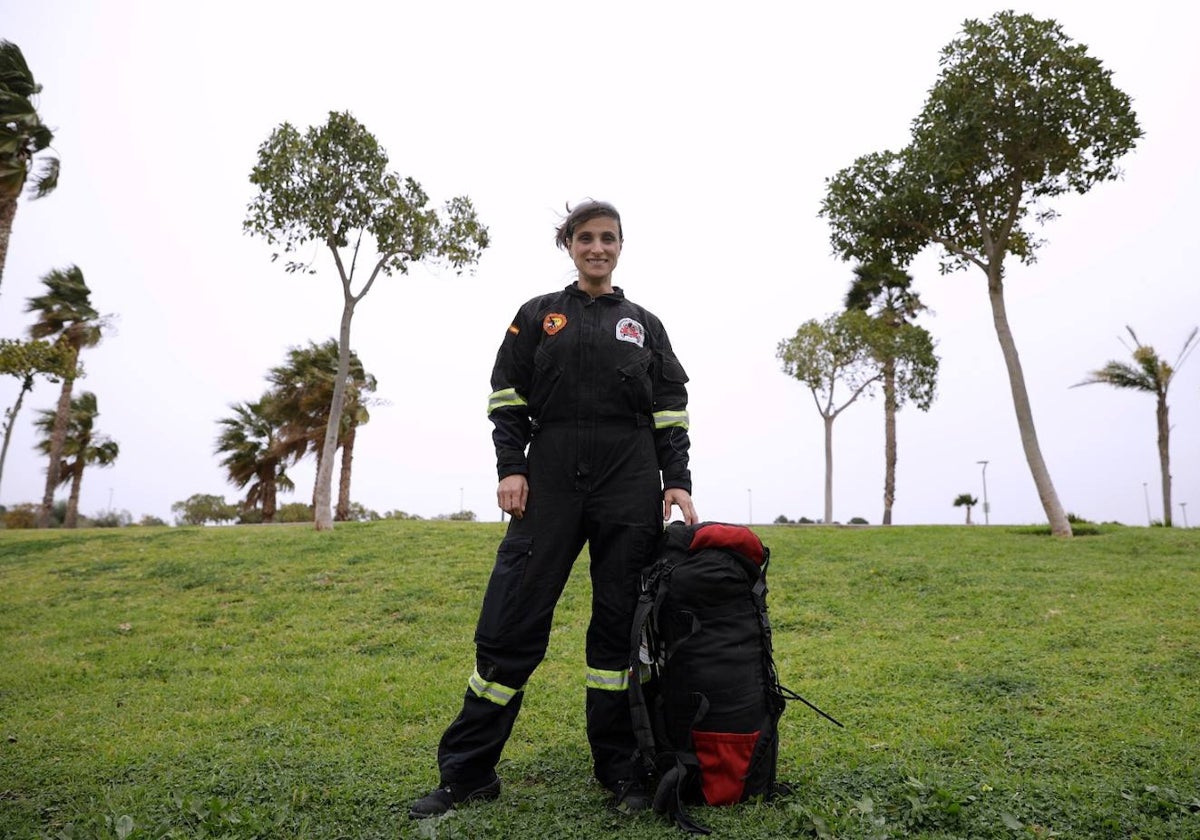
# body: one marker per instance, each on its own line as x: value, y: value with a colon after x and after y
x: 592, y: 387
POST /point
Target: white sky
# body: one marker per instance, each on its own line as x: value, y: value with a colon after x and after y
x: 711, y: 126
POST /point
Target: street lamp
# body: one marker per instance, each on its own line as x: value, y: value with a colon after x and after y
x: 985, y: 501
x: 1149, y: 520
x: 749, y: 507
x: 1183, y: 506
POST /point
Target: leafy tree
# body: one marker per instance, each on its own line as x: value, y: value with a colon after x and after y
x: 83, y: 445
x: 254, y: 456
x: 200, y: 508
x: 1018, y: 116
x: 149, y: 520
x: 823, y: 354
x: 64, y: 312
x: 331, y: 186
x: 966, y: 500
x: 1151, y: 374
x: 903, y: 350
x: 300, y: 399
x: 25, y: 360
x: 22, y: 137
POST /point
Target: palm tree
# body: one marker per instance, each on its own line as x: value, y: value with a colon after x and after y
x: 82, y: 444
x: 302, y: 396
x: 64, y: 312
x: 1149, y: 373
x: 255, y: 455
x: 887, y: 291
x: 968, y: 501
x: 22, y: 136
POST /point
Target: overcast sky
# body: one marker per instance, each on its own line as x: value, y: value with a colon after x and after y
x: 711, y: 126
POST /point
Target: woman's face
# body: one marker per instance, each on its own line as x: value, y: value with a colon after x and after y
x: 595, y: 248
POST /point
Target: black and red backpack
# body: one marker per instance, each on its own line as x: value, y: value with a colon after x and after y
x: 705, y: 696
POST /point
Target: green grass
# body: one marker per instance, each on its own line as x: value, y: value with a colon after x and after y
x: 273, y: 682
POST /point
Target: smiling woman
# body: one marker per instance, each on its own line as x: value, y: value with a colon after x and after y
x: 587, y: 382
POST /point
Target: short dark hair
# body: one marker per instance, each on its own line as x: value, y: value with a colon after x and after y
x: 585, y: 212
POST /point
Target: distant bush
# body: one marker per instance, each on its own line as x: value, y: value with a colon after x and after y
x: 783, y: 520
x: 21, y: 516
x: 858, y: 520
x: 294, y: 512
x: 149, y: 521
x: 112, y: 519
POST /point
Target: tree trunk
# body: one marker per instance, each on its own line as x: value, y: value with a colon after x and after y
x: 269, y: 493
x: 343, y: 505
x: 1164, y: 456
x: 72, y: 518
x: 1059, y: 526
x: 828, y: 468
x: 8, y: 211
x: 322, y: 514
x: 889, y: 444
x: 58, y: 437
x: 10, y: 420
x: 968, y: 507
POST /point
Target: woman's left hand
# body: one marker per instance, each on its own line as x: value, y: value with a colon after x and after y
x: 678, y: 497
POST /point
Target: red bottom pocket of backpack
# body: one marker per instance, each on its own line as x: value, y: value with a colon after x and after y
x: 724, y: 764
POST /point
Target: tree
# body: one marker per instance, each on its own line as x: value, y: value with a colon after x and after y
x: 22, y: 137
x: 300, y: 400
x: 83, y: 445
x: 64, y: 312
x: 823, y: 353
x: 1151, y: 374
x: 903, y: 350
x: 25, y: 360
x: 1019, y: 115
x: 200, y: 508
x: 966, y: 500
x: 331, y: 186
x: 255, y: 455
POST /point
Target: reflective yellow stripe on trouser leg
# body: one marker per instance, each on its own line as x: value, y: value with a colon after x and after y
x: 607, y: 680
x: 496, y: 692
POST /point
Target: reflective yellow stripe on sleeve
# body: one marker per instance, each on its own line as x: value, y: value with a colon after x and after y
x: 608, y: 680
x: 504, y: 397
x: 667, y: 419
x: 494, y: 691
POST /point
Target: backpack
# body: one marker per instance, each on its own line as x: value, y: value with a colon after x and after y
x: 705, y: 697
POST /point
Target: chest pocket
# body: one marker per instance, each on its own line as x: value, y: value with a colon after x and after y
x: 547, y: 371
x: 636, y: 382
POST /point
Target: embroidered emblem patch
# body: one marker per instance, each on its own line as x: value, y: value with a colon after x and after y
x: 514, y: 329
x: 631, y: 331
x: 554, y: 322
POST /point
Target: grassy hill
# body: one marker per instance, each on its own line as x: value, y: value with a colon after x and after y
x: 275, y: 682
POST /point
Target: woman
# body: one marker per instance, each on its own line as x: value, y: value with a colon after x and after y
x: 587, y: 382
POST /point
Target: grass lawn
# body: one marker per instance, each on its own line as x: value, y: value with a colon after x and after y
x: 273, y: 682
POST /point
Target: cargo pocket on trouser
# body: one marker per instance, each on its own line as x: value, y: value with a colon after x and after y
x: 724, y: 764
x: 501, y: 603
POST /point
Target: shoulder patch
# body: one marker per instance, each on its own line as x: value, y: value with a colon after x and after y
x: 514, y: 329
x: 554, y: 322
x: 631, y: 331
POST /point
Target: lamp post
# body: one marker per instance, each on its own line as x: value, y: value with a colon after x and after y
x: 1146, y: 492
x: 1183, y: 507
x: 749, y: 507
x: 986, y: 520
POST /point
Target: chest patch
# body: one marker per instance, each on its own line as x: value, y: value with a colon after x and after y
x: 554, y: 322
x: 631, y: 331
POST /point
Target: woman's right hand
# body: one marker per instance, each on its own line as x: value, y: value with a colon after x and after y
x: 513, y: 494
